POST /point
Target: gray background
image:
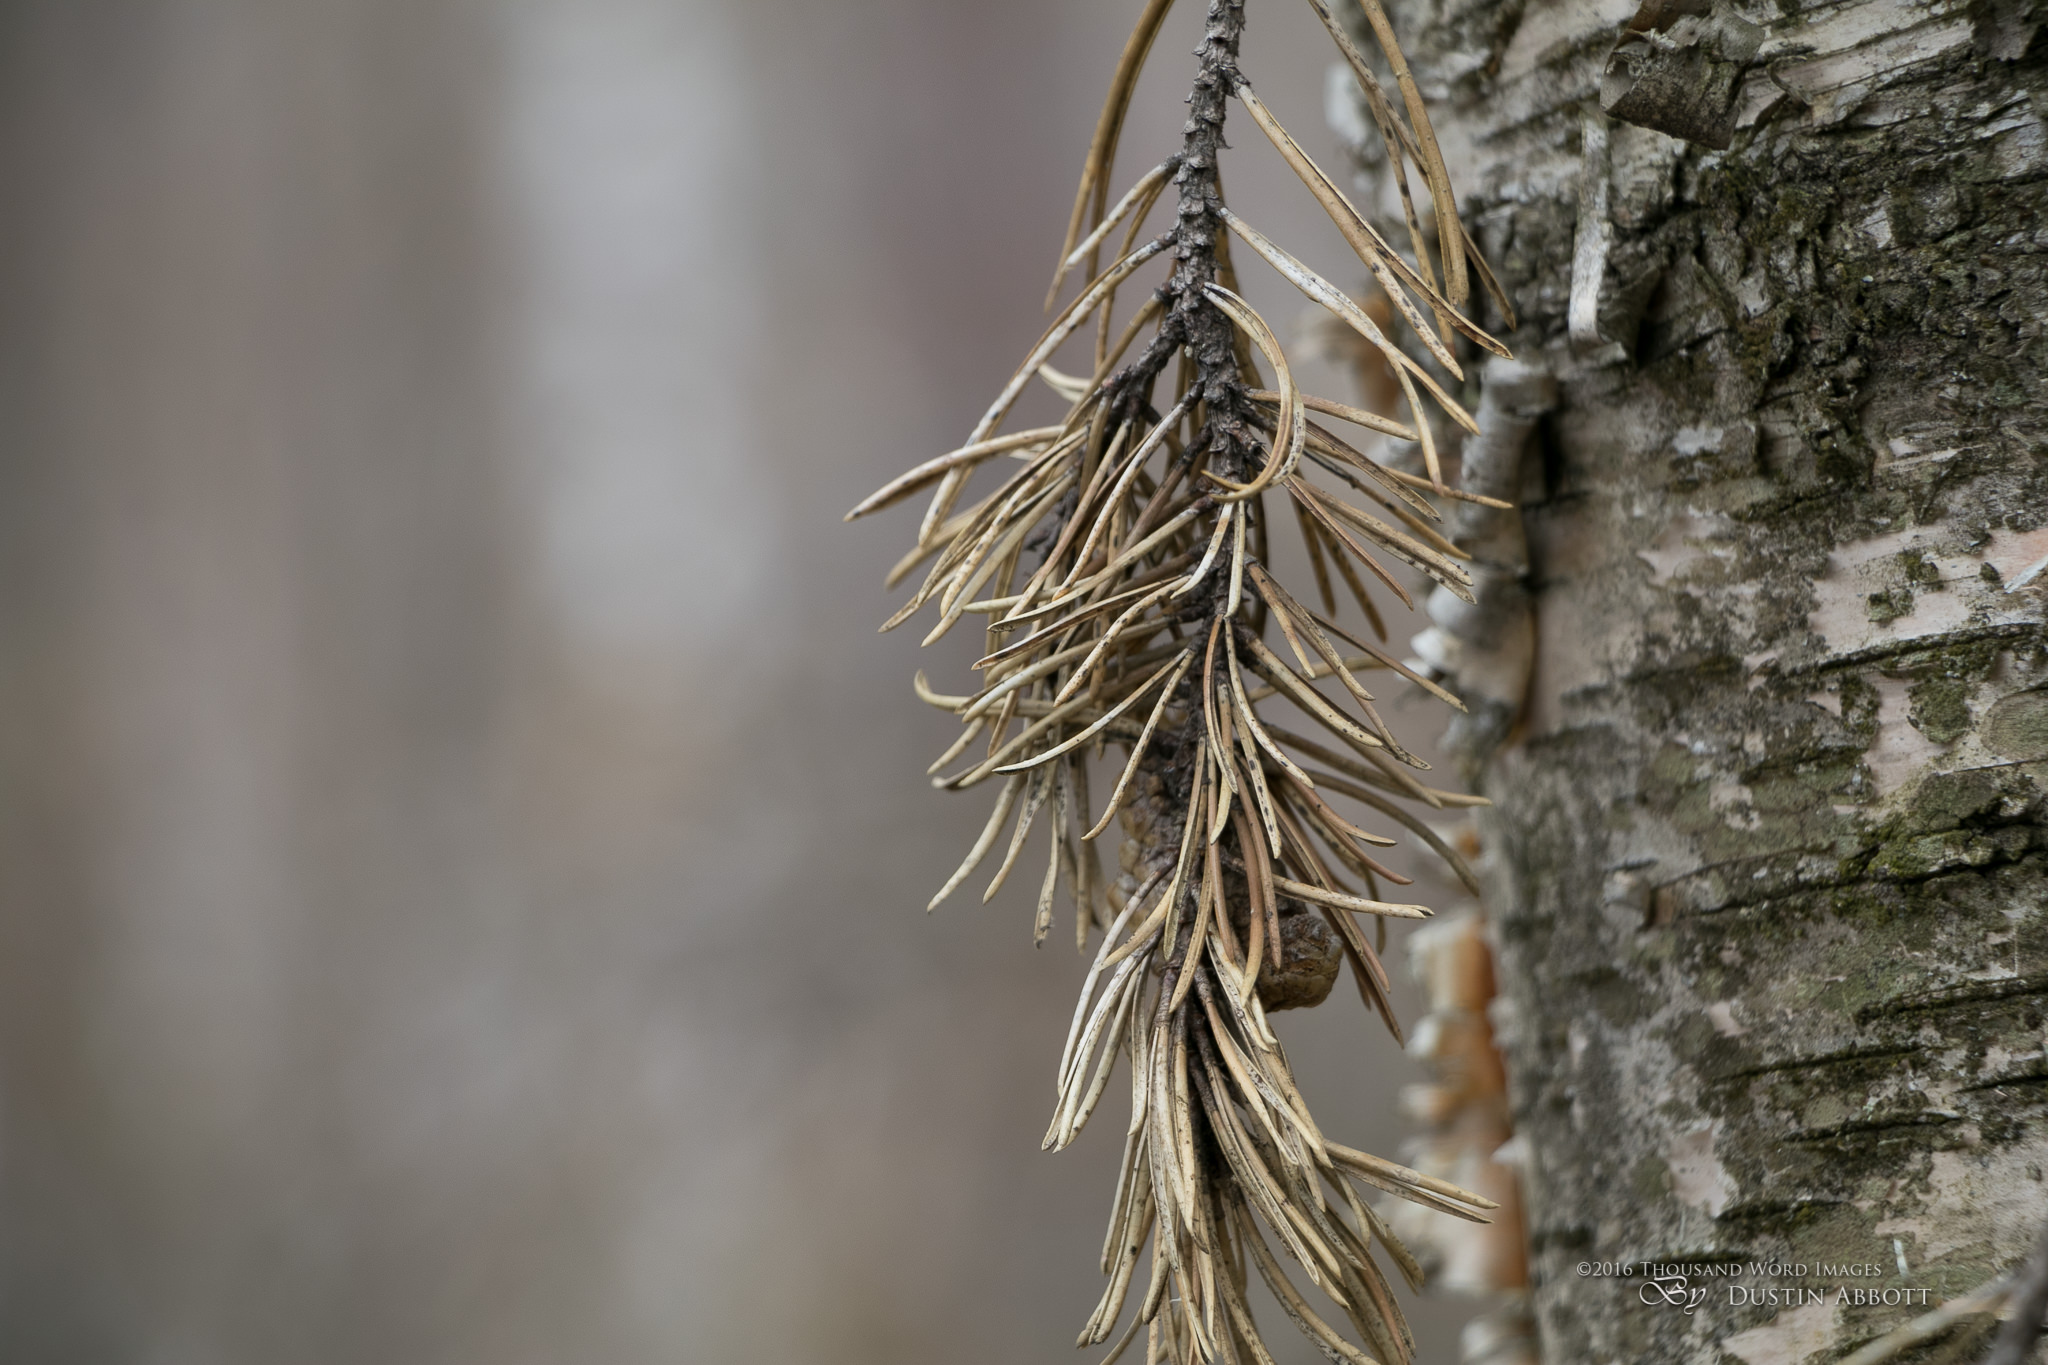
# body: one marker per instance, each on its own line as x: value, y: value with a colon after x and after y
x: 462, y: 843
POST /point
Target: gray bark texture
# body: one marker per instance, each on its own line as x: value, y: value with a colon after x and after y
x: 1771, y: 874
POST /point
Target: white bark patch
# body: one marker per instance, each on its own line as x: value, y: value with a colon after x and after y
x: 1689, y: 539
x: 1859, y: 570
x: 1857, y: 46
x: 1697, y: 1177
x: 2001, y: 1061
x: 1753, y: 292
x: 1787, y: 1339
x: 1549, y: 25
x: 2022, y: 145
x: 2019, y: 559
x: 1735, y: 804
x: 1856, y: 26
x: 1901, y: 452
x: 1906, y: 586
x: 1901, y: 752
x: 1722, y: 1015
x: 1843, y: 615
x: 1975, y: 1197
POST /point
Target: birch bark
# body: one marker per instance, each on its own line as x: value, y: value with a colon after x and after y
x: 1771, y: 877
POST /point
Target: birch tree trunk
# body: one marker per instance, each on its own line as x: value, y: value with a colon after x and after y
x: 1768, y: 840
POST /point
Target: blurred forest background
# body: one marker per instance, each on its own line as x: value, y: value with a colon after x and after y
x: 463, y: 845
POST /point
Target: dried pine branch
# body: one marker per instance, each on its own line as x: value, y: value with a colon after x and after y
x: 1123, y: 581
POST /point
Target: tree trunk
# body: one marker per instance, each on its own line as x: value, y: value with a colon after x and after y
x: 1768, y: 839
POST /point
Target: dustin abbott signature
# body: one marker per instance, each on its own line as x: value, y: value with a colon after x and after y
x: 1677, y: 1291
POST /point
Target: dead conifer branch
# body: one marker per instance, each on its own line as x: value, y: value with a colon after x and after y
x: 1123, y: 570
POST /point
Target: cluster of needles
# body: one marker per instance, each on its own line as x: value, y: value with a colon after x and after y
x: 1123, y: 578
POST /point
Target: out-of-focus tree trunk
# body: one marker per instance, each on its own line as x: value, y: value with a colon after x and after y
x: 1772, y: 880
x: 461, y: 856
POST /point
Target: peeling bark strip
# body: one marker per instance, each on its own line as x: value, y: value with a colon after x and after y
x: 1676, y: 68
x: 1774, y: 911
x: 1124, y: 577
x: 1594, y: 235
x: 1463, y: 1113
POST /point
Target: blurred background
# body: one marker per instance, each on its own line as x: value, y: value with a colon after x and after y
x: 463, y: 846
